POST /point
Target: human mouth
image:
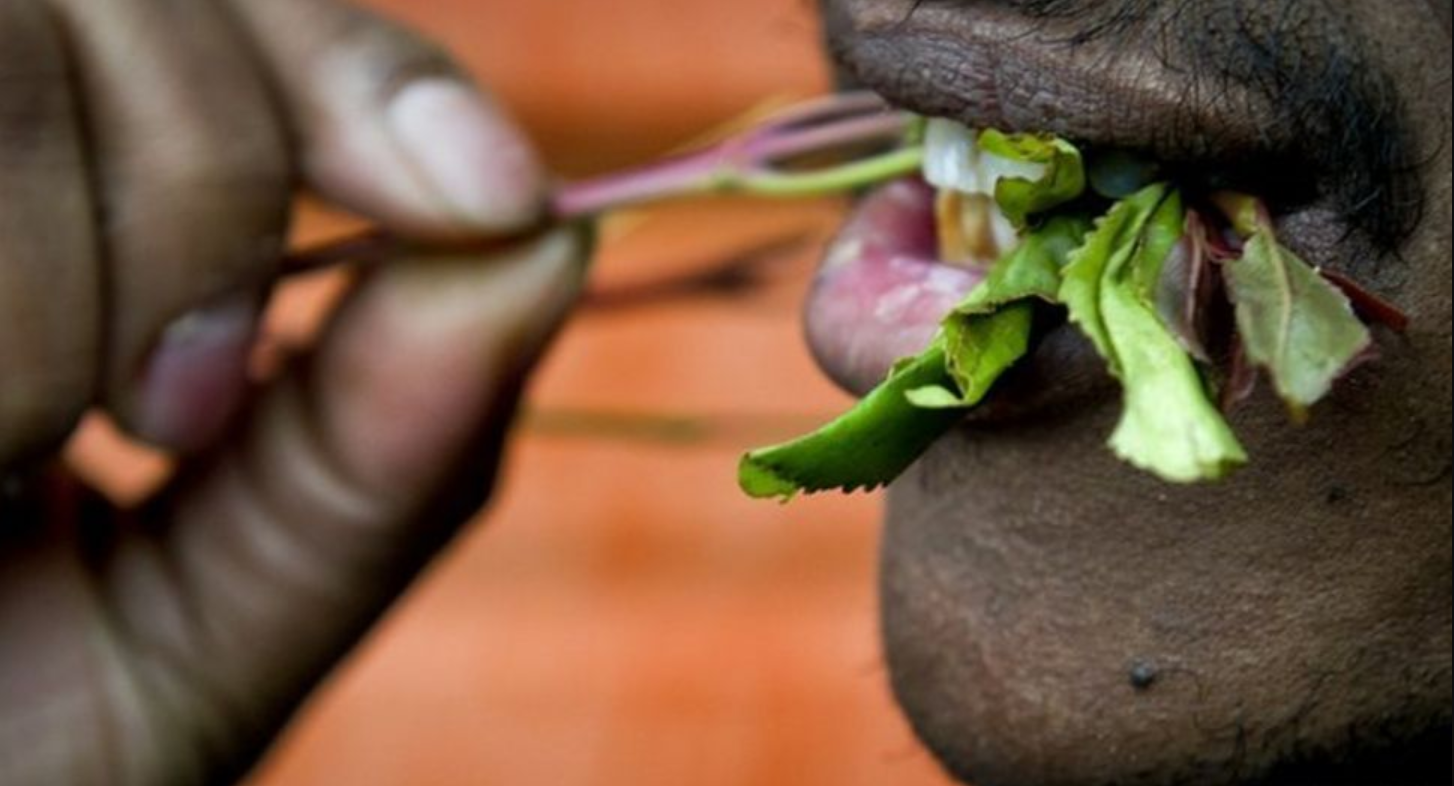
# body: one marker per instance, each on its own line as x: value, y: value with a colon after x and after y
x: 1183, y: 288
x: 881, y: 285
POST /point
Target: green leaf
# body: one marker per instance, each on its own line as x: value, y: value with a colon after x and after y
x: 1063, y: 179
x: 981, y: 348
x: 1032, y: 269
x: 867, y: 447
x: 1159, y: 237
x: 990, y: 331
x: 1109, y: 246
x: 1247, y: 214
x: 1168, y: 424
x: 925, y: 396
x: 1293, y: 322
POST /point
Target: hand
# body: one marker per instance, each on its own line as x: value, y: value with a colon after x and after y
x: 148, y: 149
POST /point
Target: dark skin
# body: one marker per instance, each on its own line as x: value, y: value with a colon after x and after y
x: 1051, y: 615
x: 150, y: 149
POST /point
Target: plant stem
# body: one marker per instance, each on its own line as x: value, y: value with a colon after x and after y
x: 748, y: 165
x: 848, y: 177
x: 879, y: 144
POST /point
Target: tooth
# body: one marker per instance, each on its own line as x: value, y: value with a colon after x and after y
x: 950, y: 156
x: 972, y: 230
x: 953, y: 159
x: 949, y: 211
x: 977, y: 214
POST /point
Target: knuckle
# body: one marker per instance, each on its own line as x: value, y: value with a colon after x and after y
x: 208, y: 200
x: 205, y: 157
x: 207, y: 129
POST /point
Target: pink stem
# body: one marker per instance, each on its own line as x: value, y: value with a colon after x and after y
x: 824, y: 125
x: 673, y: 178
x: 827, y: 108
x: 775, y: 147
x: 756, y: 150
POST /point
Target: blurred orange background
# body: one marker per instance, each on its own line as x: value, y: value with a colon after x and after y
x: 623, y: 615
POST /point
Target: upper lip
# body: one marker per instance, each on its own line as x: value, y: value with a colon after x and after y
x: 988, y: 67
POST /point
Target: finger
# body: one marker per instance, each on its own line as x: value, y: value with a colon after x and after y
x: 49, y: 288
x: 388, y: 126
x: 193, y: 178
x: 355, y: 470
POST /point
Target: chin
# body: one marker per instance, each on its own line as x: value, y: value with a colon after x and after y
x: 1051, y: 618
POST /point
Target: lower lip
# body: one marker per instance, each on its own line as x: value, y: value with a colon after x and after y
x: 880, y: 294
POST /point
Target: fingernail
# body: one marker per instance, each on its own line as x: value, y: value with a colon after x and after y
x: 470, y: 156
x: 196, y: 378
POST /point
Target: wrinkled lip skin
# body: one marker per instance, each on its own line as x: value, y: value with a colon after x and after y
x: 879, y: 295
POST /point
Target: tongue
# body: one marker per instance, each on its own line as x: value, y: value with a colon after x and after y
x: 880, y: 294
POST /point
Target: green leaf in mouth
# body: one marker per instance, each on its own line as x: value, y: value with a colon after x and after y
x: 1109, y: 246
x: 924, y: 396
x: 1062, y: 178
x: 867, y: 447
x: 1168, y: 426
x: 1109, y: 275
x: 1294, y: 323
x: 990, y: 331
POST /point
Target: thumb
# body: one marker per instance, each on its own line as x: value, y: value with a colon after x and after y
x: 388, y: 126
x: 355, y: 469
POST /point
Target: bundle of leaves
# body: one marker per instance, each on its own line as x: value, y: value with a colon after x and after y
x: 1138, y: 276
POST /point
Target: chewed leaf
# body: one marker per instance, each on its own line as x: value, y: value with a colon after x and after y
x: 867, y: 447
x: 1058, y: 164
x: 1168, y: 425
x: 925, y: 396
x: 1109, y: 246
x: 1159, y: 238
x: 990, y: 331
x: 1033, y: 269
x: 1293, y: 323
x: 1187, y: 288
x: 1247, y: 214
x: 981, y: 348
